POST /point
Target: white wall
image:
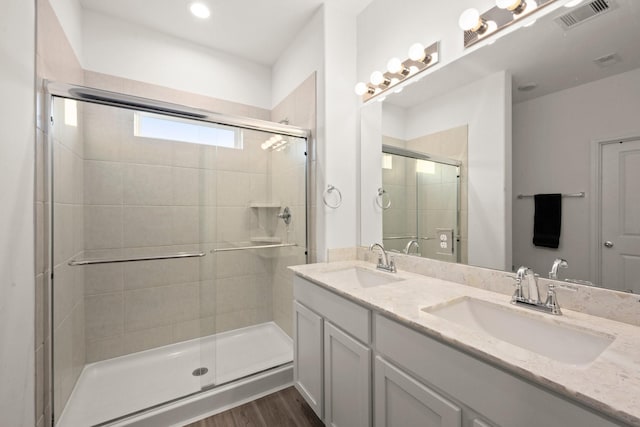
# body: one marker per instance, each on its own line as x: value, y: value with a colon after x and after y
x: 69, y: 13
x: 552, y: 139
x: 17, y: 158
x: 339, y: 161
x: 302, y: 57
x: 115, y: 47
x: 485, y: 106
x: 393, y: 124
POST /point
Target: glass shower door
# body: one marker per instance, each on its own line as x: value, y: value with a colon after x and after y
x: 128, y: 206
x: 258, y: 194
x: 438, y: 189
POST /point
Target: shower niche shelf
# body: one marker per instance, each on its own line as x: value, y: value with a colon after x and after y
x: 265, y: 205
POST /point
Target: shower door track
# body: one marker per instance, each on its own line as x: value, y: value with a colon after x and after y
x: 114, y: 99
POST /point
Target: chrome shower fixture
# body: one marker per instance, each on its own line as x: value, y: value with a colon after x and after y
x: 285, y: 215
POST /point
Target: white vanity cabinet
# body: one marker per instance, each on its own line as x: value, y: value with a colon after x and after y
x: 308, y: 356
x: 402, y: 401
x: 332, y: 358
x: 501, y: 398
x: 356, y: 367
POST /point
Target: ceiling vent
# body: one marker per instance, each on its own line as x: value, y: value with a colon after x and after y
x: 584, y: 13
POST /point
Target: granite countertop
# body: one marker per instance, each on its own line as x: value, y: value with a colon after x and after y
x: 609, y: 384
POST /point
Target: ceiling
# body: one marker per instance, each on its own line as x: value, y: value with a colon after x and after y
x: 544, y: 54
x: 258, y: 30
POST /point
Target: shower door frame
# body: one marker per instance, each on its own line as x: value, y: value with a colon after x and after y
x: 54, y: 90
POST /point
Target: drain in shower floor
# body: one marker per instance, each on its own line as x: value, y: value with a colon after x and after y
x: 199, y: 372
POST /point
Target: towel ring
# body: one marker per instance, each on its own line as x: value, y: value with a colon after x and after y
x: 380, y: 199
x: 330, y: 189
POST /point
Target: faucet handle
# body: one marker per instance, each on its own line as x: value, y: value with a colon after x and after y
x: 392, y: 265
x: 517, y: 294
x: 552, y: 300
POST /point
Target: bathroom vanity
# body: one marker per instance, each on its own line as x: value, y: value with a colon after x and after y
x: 404, y: 349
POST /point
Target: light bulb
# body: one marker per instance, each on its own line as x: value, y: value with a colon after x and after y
x: 394, y: 66
x: 470, y: 20
x: 508, y: 4
x: 361, y: 88
x: 377, y: 78
x: 573, y: 3
x: 200, y: 10
x: 416, y: 52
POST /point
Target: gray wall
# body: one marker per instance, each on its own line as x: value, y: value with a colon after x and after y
x: 552, y: 141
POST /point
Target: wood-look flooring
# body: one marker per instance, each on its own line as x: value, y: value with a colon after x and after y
x: 282, y: 409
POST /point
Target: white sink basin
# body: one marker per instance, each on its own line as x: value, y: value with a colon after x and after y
x: 531, y: 331
x: 361, y: 277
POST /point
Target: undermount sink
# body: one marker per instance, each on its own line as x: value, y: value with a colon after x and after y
x: 530, y: 331
x: 362, y: 277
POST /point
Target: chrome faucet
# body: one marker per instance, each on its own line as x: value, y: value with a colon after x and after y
x: 383, y: 260
x: 410, y: 244
x: 557, y: 263
x: 532, y: 300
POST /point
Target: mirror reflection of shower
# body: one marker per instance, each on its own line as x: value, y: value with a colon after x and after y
x: 420, y: 203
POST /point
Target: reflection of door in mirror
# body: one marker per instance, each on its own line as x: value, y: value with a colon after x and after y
x: 425, y: 184
x: 620, y: 204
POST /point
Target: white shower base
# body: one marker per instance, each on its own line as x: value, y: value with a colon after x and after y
x: 112, y: 388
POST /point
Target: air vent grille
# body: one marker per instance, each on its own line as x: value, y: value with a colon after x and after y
x: 584, y: 13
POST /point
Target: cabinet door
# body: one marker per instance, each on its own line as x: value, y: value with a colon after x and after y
x: 401, y: 401
x: 307, y: 356
x: 347, y: 380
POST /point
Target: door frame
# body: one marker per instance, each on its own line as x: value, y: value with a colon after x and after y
x: 595, y: 226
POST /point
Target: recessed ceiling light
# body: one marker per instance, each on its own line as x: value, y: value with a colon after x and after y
x: 200, y: 10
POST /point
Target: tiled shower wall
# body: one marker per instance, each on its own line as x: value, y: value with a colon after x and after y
x: 68, y: 290
x: 146, y: 196
x: 298, y: 109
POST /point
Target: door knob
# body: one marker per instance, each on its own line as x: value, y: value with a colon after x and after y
x: 608, y: 244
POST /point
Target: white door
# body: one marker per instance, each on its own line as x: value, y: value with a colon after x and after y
x: 347, y: 380
x: 620, y: 215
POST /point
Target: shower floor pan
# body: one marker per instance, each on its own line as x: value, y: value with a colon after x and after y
x: 124, y: 385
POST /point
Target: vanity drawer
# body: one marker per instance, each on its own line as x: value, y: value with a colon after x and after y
x: 350, y: 317
x: 503, y: 398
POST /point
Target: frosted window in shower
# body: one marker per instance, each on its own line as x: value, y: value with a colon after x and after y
x: 146, y: 125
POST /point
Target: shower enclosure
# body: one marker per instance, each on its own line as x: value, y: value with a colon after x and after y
x: 171, y: 233
x: 420, y: 199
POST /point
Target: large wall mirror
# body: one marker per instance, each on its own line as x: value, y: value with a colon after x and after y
x: 551, y: 108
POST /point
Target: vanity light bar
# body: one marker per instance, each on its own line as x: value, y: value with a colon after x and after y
x: 420, y: 59
x: 478, y: 26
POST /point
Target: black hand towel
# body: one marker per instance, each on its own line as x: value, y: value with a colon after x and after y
x: 547, y: 220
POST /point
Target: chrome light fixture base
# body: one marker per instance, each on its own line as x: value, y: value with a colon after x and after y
x: 410, y: 68
x: 501, y: 19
